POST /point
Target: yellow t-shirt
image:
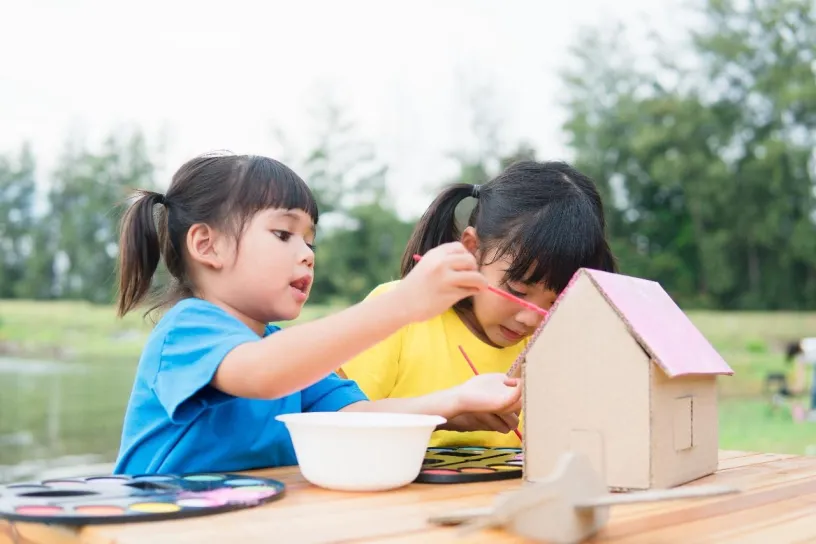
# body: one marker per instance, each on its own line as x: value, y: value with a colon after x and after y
x: 424, y: 357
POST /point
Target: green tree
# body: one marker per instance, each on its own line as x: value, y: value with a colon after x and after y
x: 86, y: 201
x: 707, y: 169
x: 17, y: 222
x: 361, y: 237
x: 759, y: 59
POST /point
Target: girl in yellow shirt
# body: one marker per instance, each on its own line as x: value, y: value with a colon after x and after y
x: 532, y: 228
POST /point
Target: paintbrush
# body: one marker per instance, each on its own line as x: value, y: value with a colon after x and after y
x: 505, y: 294
x: 476, y: 373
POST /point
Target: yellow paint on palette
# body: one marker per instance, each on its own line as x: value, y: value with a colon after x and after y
x: 155, y: 507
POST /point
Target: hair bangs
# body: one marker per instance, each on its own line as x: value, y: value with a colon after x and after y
x: 262, y: 183
x: 550, y: 245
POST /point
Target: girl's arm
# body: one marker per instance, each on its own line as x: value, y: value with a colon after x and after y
x: 493, y: 399
x: 297, y: 357
x: 375, y: 369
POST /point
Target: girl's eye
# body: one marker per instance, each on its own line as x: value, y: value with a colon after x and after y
x: 285, y: 236
x: 514, y: 292
x: 282, y: 234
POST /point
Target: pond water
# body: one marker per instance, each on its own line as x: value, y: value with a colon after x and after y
x: 59, y: 418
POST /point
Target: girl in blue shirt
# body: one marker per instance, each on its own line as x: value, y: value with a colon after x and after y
x: 237, y: 234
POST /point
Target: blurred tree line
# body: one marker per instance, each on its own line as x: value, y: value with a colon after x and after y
x: 705, y: 156
x: 708, y: 152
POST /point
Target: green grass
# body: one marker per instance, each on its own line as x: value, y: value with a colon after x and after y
x: 751, y: 342
x: 71, y: 330
x: 750, y: 424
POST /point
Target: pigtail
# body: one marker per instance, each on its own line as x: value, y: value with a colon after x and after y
x: 437, y: 225
x: 139, y: 251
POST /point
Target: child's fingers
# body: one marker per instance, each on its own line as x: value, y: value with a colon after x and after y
x: 469, y: 280
x: 452, y: 248
x: 461, y: 262
x: 510, y: 419
x: 513, y: 408
x: 487, y: 421
x: 512, y: 402
x: 496, y: 422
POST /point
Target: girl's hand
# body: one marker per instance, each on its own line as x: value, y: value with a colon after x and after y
x: 492, y: 393
x: 444, y: 276
x: 503, y: 423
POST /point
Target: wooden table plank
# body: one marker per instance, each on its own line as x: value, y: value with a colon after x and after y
x: 768, y: 523
x: 779, y: 495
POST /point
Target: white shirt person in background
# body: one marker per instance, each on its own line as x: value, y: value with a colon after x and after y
x: 803, y: 354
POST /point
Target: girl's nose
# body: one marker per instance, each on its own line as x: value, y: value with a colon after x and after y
x: 529, y: 318
x: 307, y: 256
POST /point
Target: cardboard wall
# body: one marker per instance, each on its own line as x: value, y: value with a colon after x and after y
x: 587, y: 389
x: 685, y: 428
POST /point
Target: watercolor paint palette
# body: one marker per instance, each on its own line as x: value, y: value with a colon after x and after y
x: 470, y: 464
x: 126, y: 499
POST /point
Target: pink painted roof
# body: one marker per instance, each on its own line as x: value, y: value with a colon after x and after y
x: 661, y: 327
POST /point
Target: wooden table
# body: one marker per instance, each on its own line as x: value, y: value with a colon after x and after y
x: 778, y: 505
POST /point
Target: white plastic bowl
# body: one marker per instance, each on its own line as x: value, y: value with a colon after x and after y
x: 360, y: 451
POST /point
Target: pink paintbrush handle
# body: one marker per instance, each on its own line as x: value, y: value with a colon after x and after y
x: 505, y: 294
x: 528, y: 305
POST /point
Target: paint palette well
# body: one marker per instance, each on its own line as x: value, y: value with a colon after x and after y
x: 470, y: 464
x: 126, y: 499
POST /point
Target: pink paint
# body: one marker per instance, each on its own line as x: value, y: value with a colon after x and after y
x: 654, y: 320
x: 38, y: 510
x: 660, y: 326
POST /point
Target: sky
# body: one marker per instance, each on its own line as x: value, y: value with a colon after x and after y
x: 203, y: 75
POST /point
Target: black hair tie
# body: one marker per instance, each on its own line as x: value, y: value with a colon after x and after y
x: 475, y: 191
x: 160, y: 199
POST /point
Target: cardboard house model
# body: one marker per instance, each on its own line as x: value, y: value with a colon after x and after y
x: 619, y: 373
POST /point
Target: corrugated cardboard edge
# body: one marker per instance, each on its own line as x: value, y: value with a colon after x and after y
x: 516, y: 369
x: 519, y: 369
x: 523, y: 370
x: 650, y: 396
x: 642, y: 341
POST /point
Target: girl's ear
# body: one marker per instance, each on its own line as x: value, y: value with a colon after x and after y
x: 201, y: 246
x: 470, y: 240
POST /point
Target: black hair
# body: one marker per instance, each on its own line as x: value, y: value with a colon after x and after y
x: 547, y: 215
x: 792, y: 349
x: 222, y: 190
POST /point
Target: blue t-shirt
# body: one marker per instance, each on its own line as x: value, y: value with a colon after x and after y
x: 177, y: 423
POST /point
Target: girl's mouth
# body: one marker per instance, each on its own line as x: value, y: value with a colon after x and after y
x: 300, y: 287
x: 510, y: 334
